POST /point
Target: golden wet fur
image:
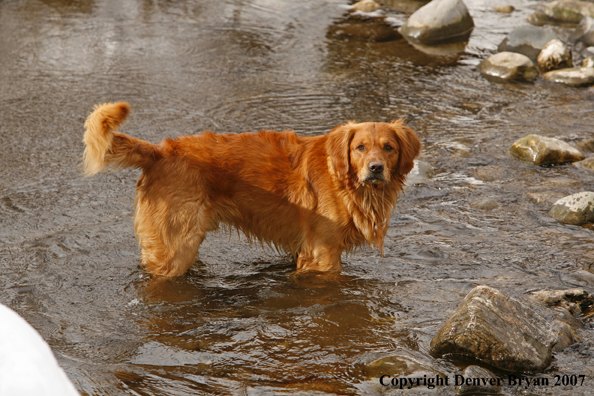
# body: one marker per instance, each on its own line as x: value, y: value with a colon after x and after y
x: 313, y: 197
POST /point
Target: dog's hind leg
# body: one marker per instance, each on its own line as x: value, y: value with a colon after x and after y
x: 170, y: 235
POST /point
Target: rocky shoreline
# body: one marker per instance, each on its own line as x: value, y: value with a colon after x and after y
x: 493, y: 340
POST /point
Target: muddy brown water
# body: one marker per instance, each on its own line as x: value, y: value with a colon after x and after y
x: 241, y: 322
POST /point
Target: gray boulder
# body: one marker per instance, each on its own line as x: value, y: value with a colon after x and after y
x: 507, y: 66
x: 584, y: 32
x: 555, y: 55
x: 571, y: 11
x: 543, y: 150
x: 497, y: 330
x: 527, y: 40
x: 574, y: 209
x: 438, y: 22
x: 574, y: 77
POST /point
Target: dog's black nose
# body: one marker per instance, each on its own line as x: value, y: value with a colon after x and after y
x: 376, y: 167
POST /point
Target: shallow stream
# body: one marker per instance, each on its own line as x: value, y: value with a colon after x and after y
x: 241, y: 322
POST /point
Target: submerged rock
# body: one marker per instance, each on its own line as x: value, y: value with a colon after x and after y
x: 507, y: 66
x: 421, y: 172
x: 547, y: 197
x: 359, y: 28
x: 587, y: 164
x: 527, y: 40
x: 574, y: 209
x: 543, y: 150
x: 505, y: 9
x: 366, y: 6
x: 402, y: 363
x: 485, y: 204
x: 555, y: 55
x: 490, y: 173
x: 403, y: 6
x: 497, y: 330
x: 574, y: 77
x: 571, y: 11
x: 438, y: 22
x: 585, y: 31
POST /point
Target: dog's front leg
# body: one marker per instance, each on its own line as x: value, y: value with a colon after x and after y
x: 319, y: 258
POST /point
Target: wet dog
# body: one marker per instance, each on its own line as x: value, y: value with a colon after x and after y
x: 312, y: 197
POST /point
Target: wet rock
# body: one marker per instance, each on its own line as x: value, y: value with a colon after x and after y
x: 438, y: 22
x: 366, y: 6
x: 555, y: 55
x: 508, y: 66
x: 574, y: 300
x: 573, y: 77
x: 565, y: 305
x: 497, y: 330
x: 584, y: 32
x: 359, y: 28
x: 574, y: 209
x: 527, y: 40
x: 490, y: 387
x: 505, y: 9
x: 587, y: 164
x: 571, y: 11
x: 544, y: 150
x: 566, y: 335
x: 422, y: 171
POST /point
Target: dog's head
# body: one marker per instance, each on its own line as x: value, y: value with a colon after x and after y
x: 373, y: 152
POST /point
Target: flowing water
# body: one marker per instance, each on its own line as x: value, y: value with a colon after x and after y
x: 241, y: 321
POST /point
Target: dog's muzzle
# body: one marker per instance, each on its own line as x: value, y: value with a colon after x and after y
x: 375, y: 172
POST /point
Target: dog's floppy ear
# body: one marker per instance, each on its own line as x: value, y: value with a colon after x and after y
x: 410, y: 146
x: 338, y: 147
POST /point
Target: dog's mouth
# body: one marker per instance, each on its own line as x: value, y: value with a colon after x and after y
x: 374, y: 179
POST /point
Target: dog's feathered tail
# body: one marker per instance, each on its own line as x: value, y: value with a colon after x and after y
x: 106, y: 147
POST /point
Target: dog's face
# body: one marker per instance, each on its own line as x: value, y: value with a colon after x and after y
x: 375, y: 153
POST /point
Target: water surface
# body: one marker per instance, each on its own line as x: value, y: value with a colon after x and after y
x: 241, y: 321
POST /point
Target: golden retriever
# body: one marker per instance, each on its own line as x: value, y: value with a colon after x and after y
x: 312, y: 197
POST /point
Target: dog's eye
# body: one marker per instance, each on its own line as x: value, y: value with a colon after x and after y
x: 360, y: 147
x: 387, y: 147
